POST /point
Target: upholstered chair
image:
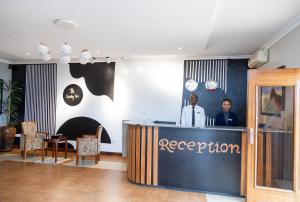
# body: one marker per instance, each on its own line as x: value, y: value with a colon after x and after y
x: 30, y: 138
x: 89, y: 145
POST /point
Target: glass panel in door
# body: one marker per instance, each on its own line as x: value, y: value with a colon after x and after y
x: 275, y: 137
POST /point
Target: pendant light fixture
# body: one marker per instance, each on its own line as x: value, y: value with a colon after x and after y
x: 65, y: 50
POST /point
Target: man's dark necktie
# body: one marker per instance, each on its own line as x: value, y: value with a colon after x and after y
x: 226, y: 117
x: 193, y: 117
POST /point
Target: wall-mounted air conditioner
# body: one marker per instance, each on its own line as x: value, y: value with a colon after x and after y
x: 259, y: 58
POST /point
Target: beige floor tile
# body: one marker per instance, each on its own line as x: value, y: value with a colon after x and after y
x: 181, y: 196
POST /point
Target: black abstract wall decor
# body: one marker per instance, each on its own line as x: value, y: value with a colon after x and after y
x: 72, y: 95
x: 99, y: 77
x: 231, y: 77
x: 78, y: 126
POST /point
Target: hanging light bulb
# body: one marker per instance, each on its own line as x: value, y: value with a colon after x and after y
x: 65, y: 54
x: 85, y: 57
x: 43, y: 48
x: 65, y: 59
x: 66, y: 49
x: 46, y: 57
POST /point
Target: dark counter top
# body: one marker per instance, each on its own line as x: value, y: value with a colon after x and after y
x: 150, y: 123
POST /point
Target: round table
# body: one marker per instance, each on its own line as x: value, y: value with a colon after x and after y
x: 55, y: 142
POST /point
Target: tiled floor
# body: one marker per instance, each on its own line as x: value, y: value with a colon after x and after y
x: 108, y: 165
x: 24, y: 181
x: 218, y: 198
x: 33, y: 158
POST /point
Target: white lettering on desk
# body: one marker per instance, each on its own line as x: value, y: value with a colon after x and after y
x: 199, y: 147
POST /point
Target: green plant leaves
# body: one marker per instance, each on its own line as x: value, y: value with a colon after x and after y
x: 14, y: 95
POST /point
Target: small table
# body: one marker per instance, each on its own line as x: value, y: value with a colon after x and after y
x: 55, y: 142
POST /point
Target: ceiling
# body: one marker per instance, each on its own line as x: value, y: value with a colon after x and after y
x: 143, y: 27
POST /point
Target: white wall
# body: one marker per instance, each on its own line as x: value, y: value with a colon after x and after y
x: 286, y: 51
x: 5, y: 74
x: 144, y: 88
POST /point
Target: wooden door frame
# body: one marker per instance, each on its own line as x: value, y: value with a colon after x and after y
x: 284, y: 77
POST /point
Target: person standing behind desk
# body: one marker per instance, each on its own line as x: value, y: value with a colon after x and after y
x: 226, y: 117
x: 193, y: 115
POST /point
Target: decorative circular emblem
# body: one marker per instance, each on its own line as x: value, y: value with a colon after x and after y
x: 191, y: 85
x: 73, y: 95
x: 211, y: 85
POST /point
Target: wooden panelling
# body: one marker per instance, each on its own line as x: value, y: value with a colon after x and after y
x: 260, y: 160
x: 133, y: 154
x: 244, y: 164
x: 138, y: 154
x: 155, y: 156
x: 129, y: 152
x: 271, y: 77
x: 149, y: 156
x: 265, y: 195
x: 268, y: 159
x: 143, y: 154
x: 250, y: 124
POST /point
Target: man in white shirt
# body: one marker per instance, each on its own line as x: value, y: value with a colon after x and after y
x: 193, y: 115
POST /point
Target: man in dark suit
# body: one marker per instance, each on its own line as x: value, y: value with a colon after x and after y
x: 226, y: 117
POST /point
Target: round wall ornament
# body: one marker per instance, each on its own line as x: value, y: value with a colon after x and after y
x: 72, y: 95
x: 211, y: 85
x: 191, y: 85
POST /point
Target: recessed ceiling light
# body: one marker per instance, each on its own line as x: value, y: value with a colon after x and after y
x: 28, y: 53
x: 98, y: 51
x: 179, y: 48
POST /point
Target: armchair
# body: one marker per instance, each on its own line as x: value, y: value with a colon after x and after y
x: 30, y: 138
x: 89, y: 145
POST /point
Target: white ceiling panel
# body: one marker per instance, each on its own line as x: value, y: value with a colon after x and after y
x: 241, y: 26
x: 143, y: 27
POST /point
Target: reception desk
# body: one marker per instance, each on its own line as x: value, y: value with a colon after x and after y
x: 211, y: 159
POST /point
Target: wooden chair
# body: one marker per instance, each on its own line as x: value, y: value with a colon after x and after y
x: 89, y: 145
x: 31, y: 139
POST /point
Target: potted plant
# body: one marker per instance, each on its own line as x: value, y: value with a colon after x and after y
x: 12, y: 98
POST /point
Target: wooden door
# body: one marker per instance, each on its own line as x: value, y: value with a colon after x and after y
x: 273, y: 118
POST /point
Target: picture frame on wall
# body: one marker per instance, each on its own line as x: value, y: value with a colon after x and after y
x: 272, y: 100
x: 1, y: 94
